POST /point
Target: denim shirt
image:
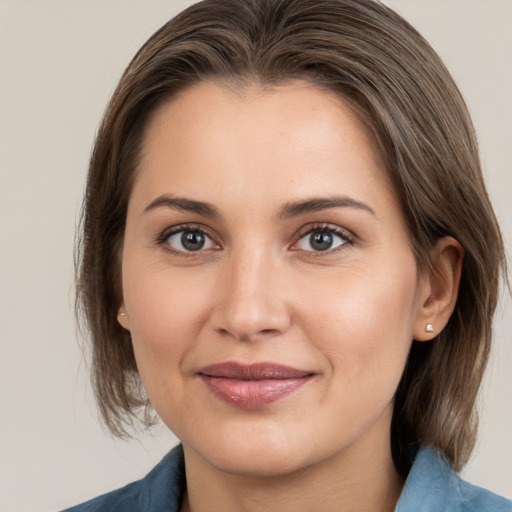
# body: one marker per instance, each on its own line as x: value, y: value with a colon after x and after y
x: 432, y: 486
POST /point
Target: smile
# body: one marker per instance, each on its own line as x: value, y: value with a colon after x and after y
x: 252, y: 386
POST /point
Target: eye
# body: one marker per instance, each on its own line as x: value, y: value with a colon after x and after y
x: 187, y: 240
x: 322, y: 239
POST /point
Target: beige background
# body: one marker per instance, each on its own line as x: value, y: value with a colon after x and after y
x: 59, y: 62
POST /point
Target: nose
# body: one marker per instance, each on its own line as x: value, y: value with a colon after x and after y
x: 250, y: 302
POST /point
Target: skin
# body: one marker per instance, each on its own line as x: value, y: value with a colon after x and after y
x: 259, y: 291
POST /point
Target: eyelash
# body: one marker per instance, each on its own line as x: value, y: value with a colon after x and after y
x: 344, y: 235
x: 192, y: 228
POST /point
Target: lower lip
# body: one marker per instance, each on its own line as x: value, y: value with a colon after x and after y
x: 253, y: 394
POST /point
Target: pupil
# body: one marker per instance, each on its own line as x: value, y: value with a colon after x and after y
x: 321, y: 241
x: 192, y: 241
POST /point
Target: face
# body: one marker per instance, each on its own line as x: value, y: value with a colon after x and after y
x: 268, y: 283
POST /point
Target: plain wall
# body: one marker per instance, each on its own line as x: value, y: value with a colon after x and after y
x: 59, y: 63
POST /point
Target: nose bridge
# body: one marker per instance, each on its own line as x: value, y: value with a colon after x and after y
x: 250, y: 302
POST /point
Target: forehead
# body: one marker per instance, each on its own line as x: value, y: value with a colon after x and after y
x: 266, y: 144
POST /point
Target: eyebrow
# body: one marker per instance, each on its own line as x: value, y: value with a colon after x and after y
x: 183, y: 204
x: 316, y: 204
x: 289, y: 210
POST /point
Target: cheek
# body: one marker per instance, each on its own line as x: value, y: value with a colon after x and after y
x: 366, y: 320
x: 166, y: 313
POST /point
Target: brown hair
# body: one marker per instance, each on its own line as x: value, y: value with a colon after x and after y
x: 374, y: 59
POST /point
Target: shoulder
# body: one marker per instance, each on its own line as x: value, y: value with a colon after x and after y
x: 124, y: 499
x: 475, y: 499
x: 433, y: 486
x: 161, y: 489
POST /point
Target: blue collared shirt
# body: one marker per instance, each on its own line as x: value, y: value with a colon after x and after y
x: 432, y: 486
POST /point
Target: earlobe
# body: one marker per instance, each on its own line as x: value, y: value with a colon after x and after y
x: 122, y: 317
x: 439, y: 289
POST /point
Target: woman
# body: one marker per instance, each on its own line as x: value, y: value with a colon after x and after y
x: 288, y: 252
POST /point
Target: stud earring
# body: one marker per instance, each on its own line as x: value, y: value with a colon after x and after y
x: 429, y: 328
x: 122, y: 314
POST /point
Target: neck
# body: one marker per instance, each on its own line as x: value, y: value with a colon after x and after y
x: 361, y: 478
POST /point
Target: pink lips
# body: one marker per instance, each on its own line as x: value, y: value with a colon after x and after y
x: 252, y: 386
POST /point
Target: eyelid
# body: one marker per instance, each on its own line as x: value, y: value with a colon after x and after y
x: 343, y: 233
x: 162, y: 238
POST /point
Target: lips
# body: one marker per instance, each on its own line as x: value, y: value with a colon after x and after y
x: 252, y: 386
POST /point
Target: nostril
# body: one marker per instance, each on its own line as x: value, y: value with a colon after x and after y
x: 251, y: 315
x: 247, y: 337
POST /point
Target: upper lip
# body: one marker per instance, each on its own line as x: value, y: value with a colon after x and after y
x: 254, y: 371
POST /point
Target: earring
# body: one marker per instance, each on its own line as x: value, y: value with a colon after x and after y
x: 429, y: 328
x: 121, y: 314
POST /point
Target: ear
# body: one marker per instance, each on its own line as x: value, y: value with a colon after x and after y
x: 438, y: 289
x: 122, y: 317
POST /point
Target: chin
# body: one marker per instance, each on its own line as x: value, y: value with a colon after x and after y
x: 258, y: 454
x: 257, y: 463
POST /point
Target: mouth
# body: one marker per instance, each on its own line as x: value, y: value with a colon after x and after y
x: 253, y: 386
